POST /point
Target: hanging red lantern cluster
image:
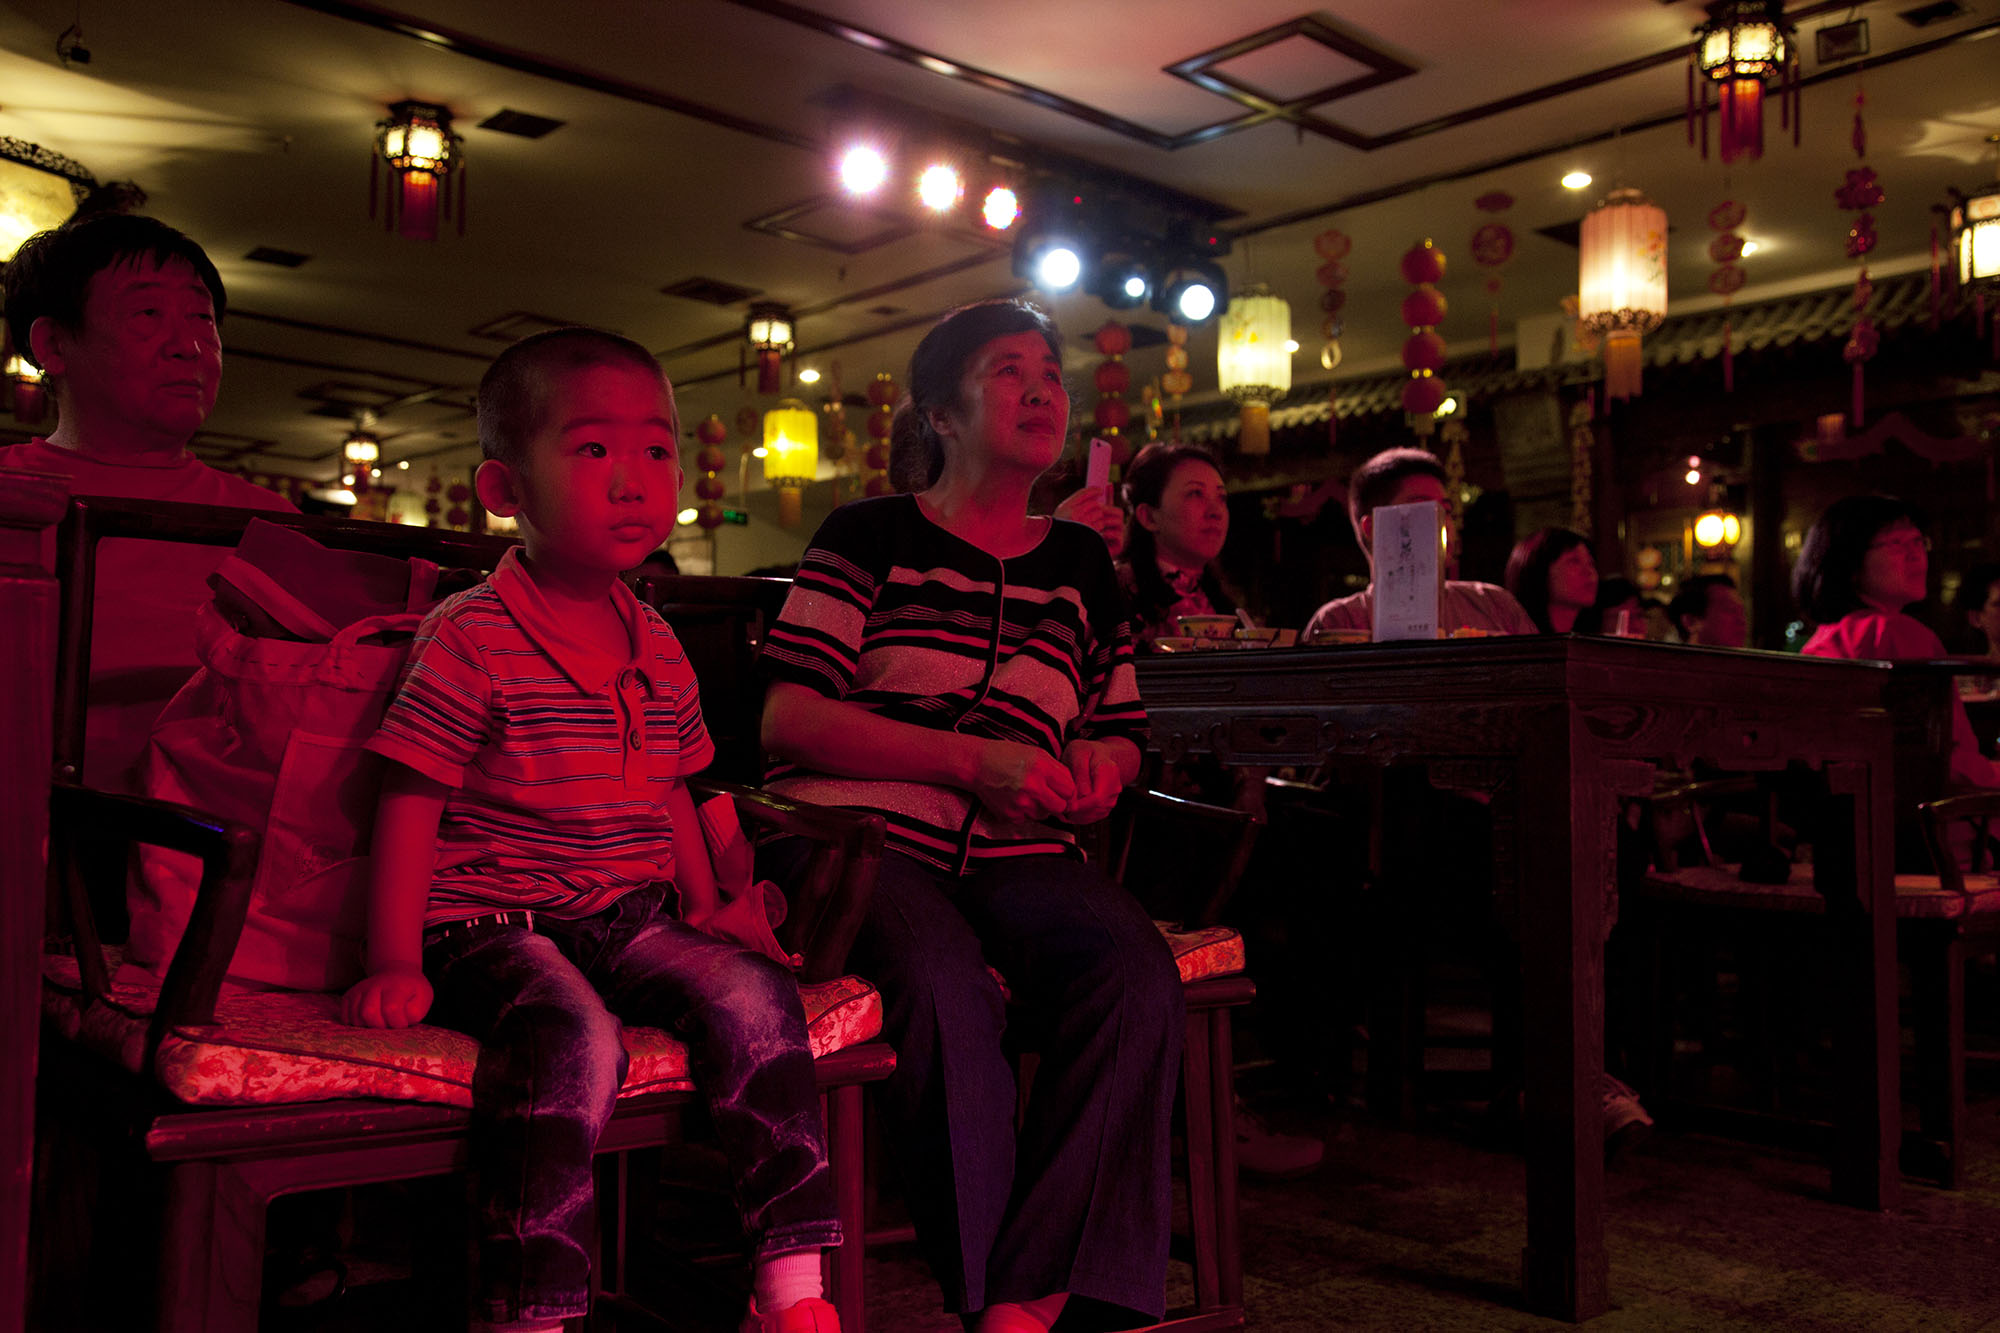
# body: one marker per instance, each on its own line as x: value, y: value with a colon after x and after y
x: 1177, y: 380
x: 882, y: 411
x: 1859, y: 193
x: 1112, y: 378
x: 1492, y: 247
x: 457, y: 494
x: 1423, y: 352
x: 709, y: 488
x: 1727, y: 279
x: 1744, y: 44
x: 433, y: 505
x: 1332, y: 247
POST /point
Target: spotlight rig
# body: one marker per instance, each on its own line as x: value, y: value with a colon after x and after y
x: 1063, y: 244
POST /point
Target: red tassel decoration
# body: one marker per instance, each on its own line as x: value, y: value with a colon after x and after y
x: 1728, y: 358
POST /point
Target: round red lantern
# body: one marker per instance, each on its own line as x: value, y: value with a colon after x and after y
x: 1423, y: 351
x: 708, y: 516
x: 1424, y: 307
x: 1113, y: 377
x: 882, y: 391
x: 711, y: 430
x: 878, y: 485
x: 1423, y: 263
x: 1113, y: 338
x: 1113, y: 414
x: 879, y: 424
x: 709, y: 458
x: 709, y: 488
x: 876, y: 456
x: 1423, y: 396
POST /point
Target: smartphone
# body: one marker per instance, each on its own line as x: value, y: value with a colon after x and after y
x: 1097, y: 472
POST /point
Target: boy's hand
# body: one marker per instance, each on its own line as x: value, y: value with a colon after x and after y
x: 1097, y: 779
x: 1018, y: 782
x: 395, y: 997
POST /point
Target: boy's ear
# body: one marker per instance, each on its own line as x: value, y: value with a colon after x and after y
x: 498, y: 489
x: 47, y: 339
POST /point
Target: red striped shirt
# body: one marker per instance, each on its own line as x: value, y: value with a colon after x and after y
x: 559, y: 755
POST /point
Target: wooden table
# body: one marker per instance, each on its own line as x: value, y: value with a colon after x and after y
x: 1557, y: 729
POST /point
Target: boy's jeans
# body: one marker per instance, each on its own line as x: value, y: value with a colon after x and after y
x: 545, y: 1004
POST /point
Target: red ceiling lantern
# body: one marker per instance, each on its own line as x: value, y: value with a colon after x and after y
x: 1744, y: 45
x: 426, y: 162
x: 1423, y: 354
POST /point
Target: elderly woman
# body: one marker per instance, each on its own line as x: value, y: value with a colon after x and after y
x: 1860, y: 565
x: 964, y: 669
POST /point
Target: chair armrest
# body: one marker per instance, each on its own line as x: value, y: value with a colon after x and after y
x: 1979, y: 809
x: 826, y: 903
x: 228, y: 855
x: 1238, y: 829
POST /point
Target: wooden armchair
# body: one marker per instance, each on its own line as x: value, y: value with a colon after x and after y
x: 1941, y: 914
x: 236, y: 1098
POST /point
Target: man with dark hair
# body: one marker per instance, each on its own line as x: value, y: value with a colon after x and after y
x: 121, y: 313
x: 1411, y: 476
x: 1708, y: 611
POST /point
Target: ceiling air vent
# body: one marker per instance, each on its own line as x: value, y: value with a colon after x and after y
x: 512, y: 327
x: 519, y: 124
x: 1925, y: 15
x: 271, y: 254
x: 712, y: 290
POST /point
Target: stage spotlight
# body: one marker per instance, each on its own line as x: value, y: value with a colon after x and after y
x: 1124, y: 283
x: 940, y: 188
x: 1058, y: 267
x: 863, y: 169
x: 1193, y: 294
x: 1000, y: 208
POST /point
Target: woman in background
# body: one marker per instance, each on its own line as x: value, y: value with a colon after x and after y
x: 1553, y: 575
x: 1179, y: 519
x: 1860, y: 566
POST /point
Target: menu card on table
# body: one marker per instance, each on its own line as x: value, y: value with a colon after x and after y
x: 1409, y: 548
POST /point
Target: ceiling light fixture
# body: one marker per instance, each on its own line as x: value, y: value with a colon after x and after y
x: 39, y: 189
x: 940, y: 187
x: 424, y: 156
x: 1743, y: 45
x: 1192, y: 294
x: 1622, y: 282
x: 1000, y: 208
x: 1975, y: 237
x: 1252, y: 366
x: 791, y: 455
x: 863, y: 168
x: 1576, y: 180
x: 769, y: 334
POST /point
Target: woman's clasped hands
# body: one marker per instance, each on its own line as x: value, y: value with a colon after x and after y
x: 1021, y: 783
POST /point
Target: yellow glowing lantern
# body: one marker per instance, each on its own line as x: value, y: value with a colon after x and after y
x: 1975, y: 234
x: 1717, y: 532
x: 1622, y: 282
x: 39, y: 189
x: 1252, y: 363
x: 791, y: 454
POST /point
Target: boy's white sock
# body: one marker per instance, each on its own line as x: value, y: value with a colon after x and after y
x: 783, y: 1280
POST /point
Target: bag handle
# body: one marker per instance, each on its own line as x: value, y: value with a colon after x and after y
x: 271, y: 596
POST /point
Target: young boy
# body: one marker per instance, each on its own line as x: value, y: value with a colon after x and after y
x: 531, y: 821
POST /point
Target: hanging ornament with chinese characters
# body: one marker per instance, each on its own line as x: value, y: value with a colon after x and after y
x: 1423, y: 351
x: 882, y: 411
x: 1724, y: 252
x: 1858, y: 194
x: 1492, y: 247
x: 1332, y: 247
x: 433, y: 506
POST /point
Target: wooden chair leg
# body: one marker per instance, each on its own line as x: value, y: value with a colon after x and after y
x: 1198, y: 1106
x: 1934, y: 952
x: 1222, y: 1093
x: 211, y: 1251
x: 841, y: 1108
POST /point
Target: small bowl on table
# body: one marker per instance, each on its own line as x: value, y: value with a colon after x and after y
x: 1207, y: 627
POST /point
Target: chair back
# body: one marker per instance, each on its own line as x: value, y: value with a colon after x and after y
x: 1182, y: 859
x: 1958, y: 831
x: 721, y: 624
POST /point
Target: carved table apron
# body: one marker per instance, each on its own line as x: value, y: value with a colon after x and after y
x: 1558, y: 729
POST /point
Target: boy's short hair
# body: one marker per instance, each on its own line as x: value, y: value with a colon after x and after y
x: 512, y: 397
x: 50, y: 274
x: 1380, y: 477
